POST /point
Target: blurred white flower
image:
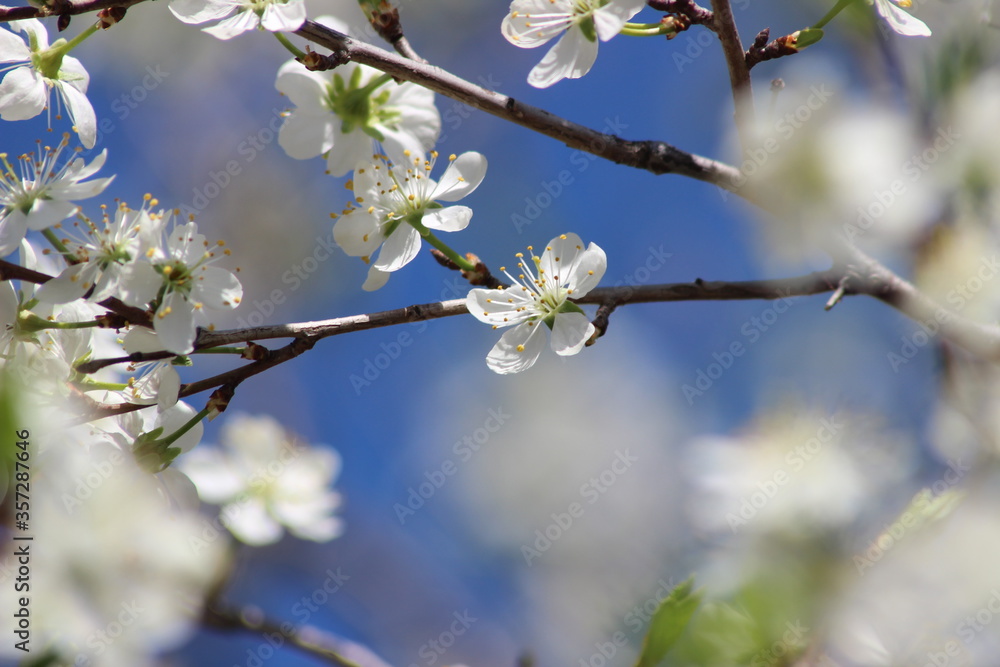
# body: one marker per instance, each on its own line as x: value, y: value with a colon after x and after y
x: 42, y: 195
x: 340, y: 112
x: 241, y: 15
x: 118, y: 581
x: 565, y: 270
x: 25, y: 90
x: 577, y: 23
x: 389, y: 199
x: 265, y: 480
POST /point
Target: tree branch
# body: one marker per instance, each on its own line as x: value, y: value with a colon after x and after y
x: 310, y: 639
x: 724, y: 25
x: 64, y: 9
x: 655, y: 156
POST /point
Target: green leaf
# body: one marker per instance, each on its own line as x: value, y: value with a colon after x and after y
x: 669, y: 621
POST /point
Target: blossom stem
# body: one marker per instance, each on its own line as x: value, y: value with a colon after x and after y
x: 90, y: 385
x: 839, y: 7
x: 59, y: 246
x: 191, y: 423
x: 295, y: 51
x: 460, y: 261
x: 646, y: 29
x: 70, y: 325
x: 76, y: 41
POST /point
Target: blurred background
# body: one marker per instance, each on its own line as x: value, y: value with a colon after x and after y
x: 658, y: 467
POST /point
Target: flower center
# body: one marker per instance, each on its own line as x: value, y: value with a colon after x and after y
x: 361, y: 107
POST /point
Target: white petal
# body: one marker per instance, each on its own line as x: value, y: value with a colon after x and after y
x: 609, y: 19
x: 588, y: 270
x: 179, y: 489
x: 451, y: 219
x: 141, y: 339
x: 13, y: 49
x: 22, y: 94
x: 174, y: 324
x: 13, y: 227
x: 250, y: 523
x: 284, y: 16
x: 168, y: 389
x: 304, y: 88
x: 347, y: 151
x: 520, y: 27
x: 505, y: 358
x: 571, y: 57
x: 213, y: 474
x: 174, y: 418
x: 80, y: 112
x: 399, y: 249
x: 560, y: 256
x: 498, y: 307
x: 138, y: 284
x: 305, y: 135
x: 234, y: 25
x: 357, y: 233
x: 69, y: 285
x: 217, y: 289
x: 376, y: 279
x: 570, y: 332
x: 900, y: 21
x: 462, y: 177
x: 200, y: 11
x: 47, y: 212
x: 35, y: 28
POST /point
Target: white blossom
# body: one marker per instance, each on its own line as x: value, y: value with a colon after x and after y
x: 577, y: 23
x: 265, y: 480
x: 564, y: 270
x: 238, y: 16
x: 389, y: 199
x: 42, y: 194
x: 340, y: 112
x: 25, y: 90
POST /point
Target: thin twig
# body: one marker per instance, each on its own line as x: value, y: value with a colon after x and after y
x: 655, y: 156
x: 724, y: 25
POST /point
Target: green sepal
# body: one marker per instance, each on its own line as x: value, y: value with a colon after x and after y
x: 588, y: 28
x: 669, y: 622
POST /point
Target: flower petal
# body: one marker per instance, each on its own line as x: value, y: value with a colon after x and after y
x: 571, y: 57
x: 376, y: 279
x: 560, y: 256
x: 588, y: 270
x: 23, y: 94
x: 501, y: 308
x: 570, y: 332
x: 81, y: 112
x: 69, y: 285
x: 609, y: 19
x: 506, y: 358
x: 13, y: 49
x: 250, y: 523
x: 217, y: 289
x: 900, y: 21
x: 235, y: 25
x: 286, y: 16
x: 357, y: 233
x: 399, y: 249
x: 348, y: 150
x: 462, y: 177
x: 200, y: 11
x: 523, y: 28
x: 451, y: 219
x: 174, y: 324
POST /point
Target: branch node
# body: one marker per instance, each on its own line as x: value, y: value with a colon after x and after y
x: 317, y: 62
